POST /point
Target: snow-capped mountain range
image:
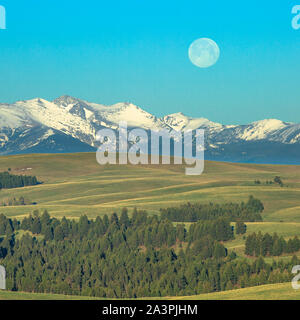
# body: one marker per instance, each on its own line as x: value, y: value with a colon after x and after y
x: 69, y: 124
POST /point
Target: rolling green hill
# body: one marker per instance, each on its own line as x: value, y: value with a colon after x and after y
x: 75, y: 184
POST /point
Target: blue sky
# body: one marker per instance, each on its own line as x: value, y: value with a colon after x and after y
x: 137, y: 51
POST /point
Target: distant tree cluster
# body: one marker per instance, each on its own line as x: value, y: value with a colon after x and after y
x: 8, y: 180
x: 127, y: 257
x: 249, y: 211
x: 276, y: 180
x: 267, y: 245
x: 218, y: 229
x: 21, y: 201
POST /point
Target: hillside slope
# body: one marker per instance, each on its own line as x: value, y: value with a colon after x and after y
x: 74, y: 184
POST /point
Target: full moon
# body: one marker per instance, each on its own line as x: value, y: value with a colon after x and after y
x: 204, y: 52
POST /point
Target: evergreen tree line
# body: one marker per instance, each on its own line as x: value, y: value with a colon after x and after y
x: 158, y: 232
x: 276, y: 180
x: 8, y: 180
x: 249, y: 211
x: 219, y: 229
x: 127, y: 257
x: 267, y: 245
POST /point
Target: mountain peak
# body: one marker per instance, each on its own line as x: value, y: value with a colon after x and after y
x: 34, y: 100
x: 66, y: 100
x: 269, y: 122
x: 176, y: 115
x: 261, y: 129
x: 179, y: 121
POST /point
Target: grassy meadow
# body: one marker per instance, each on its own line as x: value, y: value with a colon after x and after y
x: 75, y: 184
x: 279, y: 291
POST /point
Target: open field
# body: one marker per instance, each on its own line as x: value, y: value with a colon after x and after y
x: 13, y: 295
x: 280, y: 291
x: 75, y: 184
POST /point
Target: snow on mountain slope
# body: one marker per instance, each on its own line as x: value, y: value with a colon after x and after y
x: 261, y: 129
x: 11, y: 117
x: 110, y: 116
x: 268, y: 129
x: 133, y: 115
x: 290, y: 134
x: 180, y: 122
x: 51, y: 115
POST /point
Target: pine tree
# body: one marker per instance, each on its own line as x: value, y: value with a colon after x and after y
x: 58, y: 233
x: 48, y: 233
x: 124, y: 219
x: 36, y: 226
